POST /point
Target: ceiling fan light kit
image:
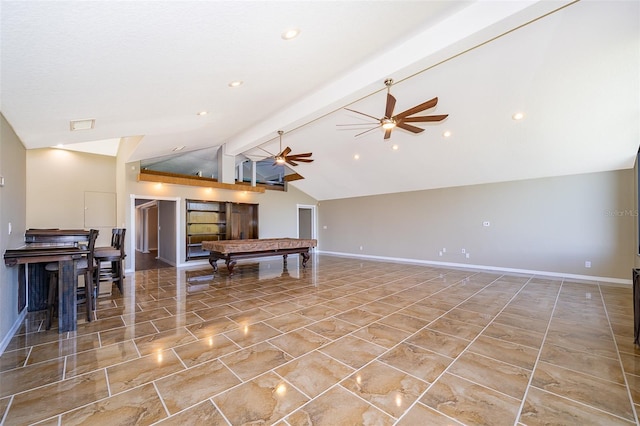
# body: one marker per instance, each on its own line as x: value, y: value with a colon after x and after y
x: 390, y: 121
x: 283, y: 156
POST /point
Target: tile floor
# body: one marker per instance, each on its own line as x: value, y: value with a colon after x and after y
x: 343, y: 342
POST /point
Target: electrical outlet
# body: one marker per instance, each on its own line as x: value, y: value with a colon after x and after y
x: 360, y: 248
x: 587, y: 264
x: 464, y: 251
x: 444, y: 250
x: 486, y: 223
x: 467, y: 255
x: 439, y: 253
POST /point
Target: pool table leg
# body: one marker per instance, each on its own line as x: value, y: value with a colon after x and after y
x: 230, y: 264
x: 213, y: 261
x: 305, y: 259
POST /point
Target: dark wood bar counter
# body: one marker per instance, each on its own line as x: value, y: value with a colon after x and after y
x: 45, y: 246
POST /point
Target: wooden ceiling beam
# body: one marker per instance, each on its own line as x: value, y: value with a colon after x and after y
x: 179, y: 179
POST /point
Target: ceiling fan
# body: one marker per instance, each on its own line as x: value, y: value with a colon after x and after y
x: 284, y: 157
x: 390, y: 121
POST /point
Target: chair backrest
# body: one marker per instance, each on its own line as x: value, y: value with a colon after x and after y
x: 91, y: 245
x: 114, y: 237
x: 117, y: 239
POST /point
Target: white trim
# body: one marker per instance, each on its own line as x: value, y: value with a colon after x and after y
x: 189, y: 264
x: 132, y: 231
x: 486, y: 268
x: 11, y: 333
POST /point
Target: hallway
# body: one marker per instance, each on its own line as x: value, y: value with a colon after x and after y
x: 146, y: 261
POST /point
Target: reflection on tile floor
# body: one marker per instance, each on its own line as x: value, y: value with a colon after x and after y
x: 345, y: 341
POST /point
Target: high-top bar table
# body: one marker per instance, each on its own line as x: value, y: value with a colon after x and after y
x: 44, y: 246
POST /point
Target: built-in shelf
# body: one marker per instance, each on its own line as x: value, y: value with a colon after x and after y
x: 215, y: 221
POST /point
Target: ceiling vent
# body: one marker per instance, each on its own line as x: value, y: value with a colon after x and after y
x: 86, y: 124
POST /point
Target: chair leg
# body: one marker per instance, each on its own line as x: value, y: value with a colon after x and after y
x: 121, y: 277
x: 51, y: 299
x: 96, y: 289
x: 116, y: 268
x: 88, y: 289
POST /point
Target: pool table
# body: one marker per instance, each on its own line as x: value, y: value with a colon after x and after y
x: 231, y: 250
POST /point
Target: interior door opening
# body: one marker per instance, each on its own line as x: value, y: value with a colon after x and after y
x: 154, y: 232
x: 307, y: 221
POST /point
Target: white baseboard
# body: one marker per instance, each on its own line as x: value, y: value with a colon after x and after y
x: 485, y: 268
x: 451, y: 265
x: 14, y: 328
x: 170, y: 262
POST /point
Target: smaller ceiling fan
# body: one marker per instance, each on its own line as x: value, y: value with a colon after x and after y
x: 284, y: 157
x: 390, y: 121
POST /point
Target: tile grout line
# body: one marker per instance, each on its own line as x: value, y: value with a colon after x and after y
x: 6, y: 411
x: 155, y: 387
x: 583, y: 404
x: 535, y: 365
x: 106, y: 379
x: 387, y: 350
x: 219, y: 410
x: 470, y: 342
x: 310, y: 398
x: 615, y: 342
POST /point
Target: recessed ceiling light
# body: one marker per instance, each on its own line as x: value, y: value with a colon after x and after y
x: 446, y: 133
x: 395, y: 147
x: 356, y: 157
x: 236, y: 83
x: 518, y: 116
x: 202, y: 113
x: 290, y: 34
x: 86, y: 124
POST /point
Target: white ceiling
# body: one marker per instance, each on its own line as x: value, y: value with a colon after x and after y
x: 147, y: 68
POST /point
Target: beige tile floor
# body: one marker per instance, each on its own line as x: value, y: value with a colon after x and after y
x: 343, y: 342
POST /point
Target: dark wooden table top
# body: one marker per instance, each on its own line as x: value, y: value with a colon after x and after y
x: 29, y: 254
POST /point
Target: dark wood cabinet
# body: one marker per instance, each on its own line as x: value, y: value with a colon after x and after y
x: 218, y: 220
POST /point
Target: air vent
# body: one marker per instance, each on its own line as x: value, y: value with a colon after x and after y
x: 86, y: 124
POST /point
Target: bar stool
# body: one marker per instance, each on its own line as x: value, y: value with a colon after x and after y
x: 86, y: 267
x: 114, y: 257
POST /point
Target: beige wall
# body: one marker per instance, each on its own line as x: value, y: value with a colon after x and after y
x: 552, y: 225
x: 12, y: 210
x: 57, y: 181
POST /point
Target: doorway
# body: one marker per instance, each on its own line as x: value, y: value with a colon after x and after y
x: 147, y: 230
x: 154, y: 232
x: 306, y: 221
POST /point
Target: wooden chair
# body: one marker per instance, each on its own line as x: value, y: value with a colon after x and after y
x: 85, y: 266
x: 113, y: 256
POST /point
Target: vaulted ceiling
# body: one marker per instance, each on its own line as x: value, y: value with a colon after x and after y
x: 148, y: 68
